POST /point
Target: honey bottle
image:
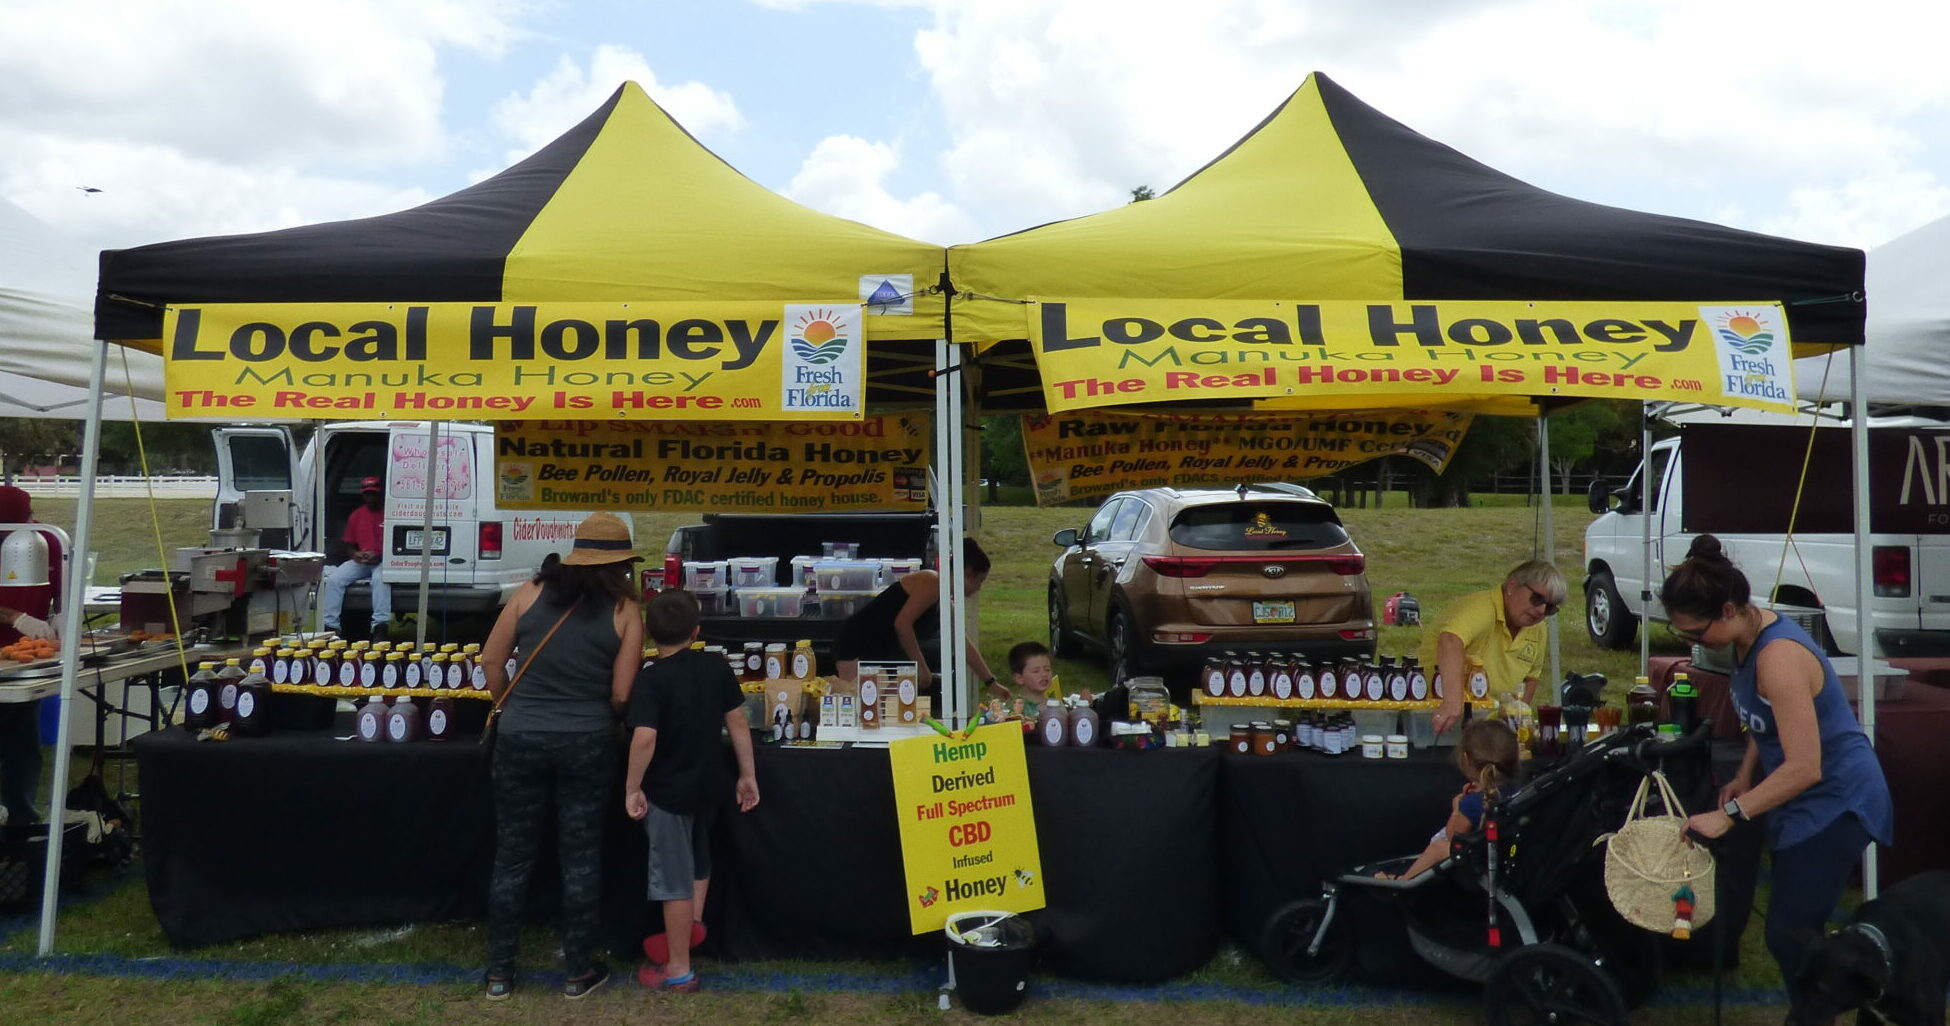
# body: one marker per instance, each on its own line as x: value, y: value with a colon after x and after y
x: 370, y: 723
x: 228, y: 677
x: 370, y: 662
x: 476, y: 672
x: 1305, y: 684
x: 1418, y: 681
x: 414, y: 672
x: 1235, y: 675
x: 252, y: 715
x: 1255, y: 675
x: 1279, y: 681
x: 1213, y: 676
x: 440, y: 719
x: 403, y: 721
x: 804, y: 665
x: 776, y: 661
x: 200, y: 698
x: 1376, y: 682
x: 393, y: 671
x: 1329, y: 680
x: 1397, y: 679
x: 260, y: 663
x: 436, y: 671
x: 870, y: 700
x: 754, y: 663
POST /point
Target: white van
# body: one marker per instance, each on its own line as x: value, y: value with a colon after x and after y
x: 479, y: 553
x: 1739, y: 483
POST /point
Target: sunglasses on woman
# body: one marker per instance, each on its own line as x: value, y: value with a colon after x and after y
x: 1538, y: 601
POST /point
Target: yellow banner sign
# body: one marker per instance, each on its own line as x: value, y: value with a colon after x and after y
x: 1109, y: 352
x: 515, y: 361
x: 720, y: 467
x: 968, y: 833
x: 1092, y: 454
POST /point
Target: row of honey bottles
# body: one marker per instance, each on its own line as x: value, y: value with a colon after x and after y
x: 759, y: 661
x: 375, y: 664
x: 241, y: 697
x: 1350, y: 679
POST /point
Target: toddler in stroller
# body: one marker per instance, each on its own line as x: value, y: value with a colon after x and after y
x: 1517, y: 904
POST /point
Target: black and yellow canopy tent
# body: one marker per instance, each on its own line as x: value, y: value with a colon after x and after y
x: 622, y: 258
x: 1361, y: 261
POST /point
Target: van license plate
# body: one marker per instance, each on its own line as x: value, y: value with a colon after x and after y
x: 411, y: 546
x: 1272, y: 612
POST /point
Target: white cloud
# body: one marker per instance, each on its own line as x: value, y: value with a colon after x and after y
x: 571, y: 91
x: 846, y: 176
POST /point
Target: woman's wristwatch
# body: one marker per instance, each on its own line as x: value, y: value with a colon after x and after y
x: 1734, y: 811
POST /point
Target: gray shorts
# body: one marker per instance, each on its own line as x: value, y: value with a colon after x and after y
x: 680, y: 853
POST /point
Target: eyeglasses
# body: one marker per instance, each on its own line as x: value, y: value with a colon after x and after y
x: 1691, y: 635
x: 1538, y: 601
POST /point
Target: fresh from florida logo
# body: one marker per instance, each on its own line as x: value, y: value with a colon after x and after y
x: 1743, y: 332
x: 822, y: 366
x: 1751, y: 341
x: 817, y: 340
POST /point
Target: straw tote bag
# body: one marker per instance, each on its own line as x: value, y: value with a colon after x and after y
x: 1650, y: 866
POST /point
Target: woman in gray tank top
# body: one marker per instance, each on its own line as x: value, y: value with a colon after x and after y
x: 580, y: 624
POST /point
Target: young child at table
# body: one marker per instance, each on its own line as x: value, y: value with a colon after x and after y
x: 675, y: 782
x: 1035, y: 679
x: 1487, y: 755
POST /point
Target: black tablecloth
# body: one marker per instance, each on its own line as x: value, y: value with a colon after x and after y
x: 1129, y: 858
x: 298, y: 831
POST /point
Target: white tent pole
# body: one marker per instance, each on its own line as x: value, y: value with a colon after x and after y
x: 1547, y: 545
x: 426, y: 537
x: 73, y: 620
x: 1646, y: 499
x: 947, y: 438
x: 1865, y: 635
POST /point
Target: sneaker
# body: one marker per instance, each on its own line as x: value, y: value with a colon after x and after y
x: 652, y: 977
x: 500, y: 988
x: 582, y: 986
x: 656, y: 947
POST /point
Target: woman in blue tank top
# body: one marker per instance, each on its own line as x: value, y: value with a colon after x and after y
x: 1808, y: 766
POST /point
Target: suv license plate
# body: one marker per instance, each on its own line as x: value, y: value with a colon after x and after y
x: 412, y: 543
x: 1272, y: 612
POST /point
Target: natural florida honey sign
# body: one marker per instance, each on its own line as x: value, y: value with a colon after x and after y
x: 879, y: 462
x: 515, y: 361
x: 968, y: 833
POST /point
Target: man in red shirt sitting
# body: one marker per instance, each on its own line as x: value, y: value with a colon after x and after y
x: 365, y: 532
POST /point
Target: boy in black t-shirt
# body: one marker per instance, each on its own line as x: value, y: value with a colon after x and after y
x: 675, y: 781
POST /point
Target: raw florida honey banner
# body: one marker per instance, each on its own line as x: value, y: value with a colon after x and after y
x: 1111, y: 352
x: 1092, y: 454
x: 879, y: 462
x: 515, y: 361
x: 968, y: 832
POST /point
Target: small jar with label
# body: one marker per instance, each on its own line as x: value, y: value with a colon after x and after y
x: 1263, y: 738
x: 1374, y: 746
x: 1279, y: 679
x: 1398, y: 746
x: 1418, y: 681
x: 1282, y: 734
x: 1305, y: 685
x: 735, y: 662
x: 1374, y: 683
x: 1329, y: 680
x: 754, y: 669
x: 804, y: 663
x: 1235, y: 675
x: 1479, y: 681
x: 1242, y: 739
x: 1642, y: 702
x: 777, y: 661
x: 1397, y: 680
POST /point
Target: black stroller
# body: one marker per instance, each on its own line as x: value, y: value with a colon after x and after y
x: 1518, y: 906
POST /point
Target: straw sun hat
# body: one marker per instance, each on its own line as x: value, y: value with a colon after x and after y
x: 602, y: 538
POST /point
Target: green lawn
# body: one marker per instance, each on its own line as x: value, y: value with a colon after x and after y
x: 118, y: 963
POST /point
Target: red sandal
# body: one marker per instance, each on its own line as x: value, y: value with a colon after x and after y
x: 656, y: 947
x: 652, y: 977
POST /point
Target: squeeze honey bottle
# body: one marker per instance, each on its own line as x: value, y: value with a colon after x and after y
x: 392, y: 671
x: 200, y: 697
x: 804, y: 665
x: 1235, y: 675
x: 413, y: 673
x: 1328, y: 680
x: 1213, y: 676
x: 1255, y: 675
x: 228, y: 677
x: 1375, y: 684
x: 260, y: 663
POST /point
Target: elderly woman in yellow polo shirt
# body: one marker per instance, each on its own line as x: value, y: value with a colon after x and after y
x: 1500, y: 629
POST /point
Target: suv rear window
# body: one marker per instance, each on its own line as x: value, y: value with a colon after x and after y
x: 1258, y: 525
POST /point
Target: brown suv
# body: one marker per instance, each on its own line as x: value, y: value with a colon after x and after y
x: 1161, y: 578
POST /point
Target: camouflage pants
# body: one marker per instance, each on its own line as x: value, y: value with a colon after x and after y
x: 532, y: 771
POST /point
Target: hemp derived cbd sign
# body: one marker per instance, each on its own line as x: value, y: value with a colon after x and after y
x: 968, y: 832
x: 879, y: 462
x: 515, y: 361
x: 1107, y: 352
x: 1092, y: 454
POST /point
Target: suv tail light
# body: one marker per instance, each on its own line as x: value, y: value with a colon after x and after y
x: 1181, y: 566
x: 1180, y: 637
x: 1347, y: 566
x: 1891, y: 563
x: 490, y: 540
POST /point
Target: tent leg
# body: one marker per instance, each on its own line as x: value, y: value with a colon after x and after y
x: 73, y: 622
x: 1547, y: 544
x: 1865, y: 635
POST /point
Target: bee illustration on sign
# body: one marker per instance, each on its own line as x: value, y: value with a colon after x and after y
x: 1024, y: 878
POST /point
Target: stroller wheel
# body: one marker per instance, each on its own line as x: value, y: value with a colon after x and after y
x: 1550, y: 983
x: 1290, y: 933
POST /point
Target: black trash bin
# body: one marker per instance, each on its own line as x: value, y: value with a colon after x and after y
x: 989, y: 957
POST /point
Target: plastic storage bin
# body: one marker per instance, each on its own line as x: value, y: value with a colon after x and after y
x: 786, y: 602
x: 839, y: 550
x: 892, y: 570
x: 705, y: 575
x: 802, y: 570
x: 989, y: 958
x: 846, y: 575
x: 715, y: 601
x: 838, y: 605
x: 753, y: 571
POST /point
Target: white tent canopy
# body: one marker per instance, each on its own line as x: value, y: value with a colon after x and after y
x: 1908, y: 323
x: 47, y: 324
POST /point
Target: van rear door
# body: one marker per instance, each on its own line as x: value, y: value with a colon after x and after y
x: 452, y: 544
x: 253, y: 459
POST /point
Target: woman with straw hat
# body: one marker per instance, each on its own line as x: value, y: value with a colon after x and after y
x: 576, y: 632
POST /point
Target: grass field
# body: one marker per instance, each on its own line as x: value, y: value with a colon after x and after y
x: 114, y: 963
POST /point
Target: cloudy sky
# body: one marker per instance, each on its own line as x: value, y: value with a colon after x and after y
x: 955, y: 120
